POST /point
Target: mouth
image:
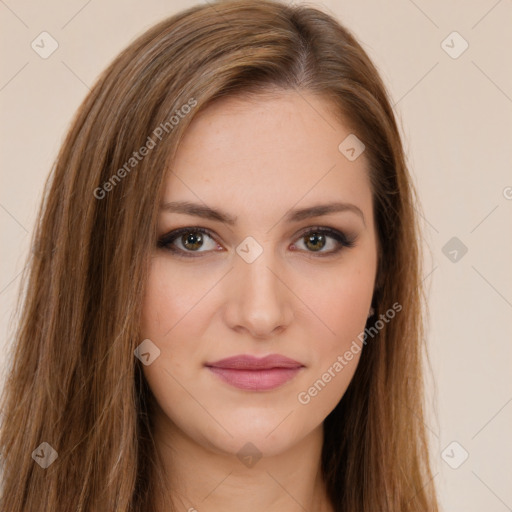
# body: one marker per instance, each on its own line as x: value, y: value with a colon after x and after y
x: 256, y: 374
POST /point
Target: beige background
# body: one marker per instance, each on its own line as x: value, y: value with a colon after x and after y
x: 456, y: 118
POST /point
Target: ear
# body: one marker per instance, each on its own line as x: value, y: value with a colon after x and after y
x: 379, y: 281
x: 379, y: 278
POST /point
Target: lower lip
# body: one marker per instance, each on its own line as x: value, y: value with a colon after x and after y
x: 255, y: 380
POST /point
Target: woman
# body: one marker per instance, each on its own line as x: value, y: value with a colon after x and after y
x: 223, y: 305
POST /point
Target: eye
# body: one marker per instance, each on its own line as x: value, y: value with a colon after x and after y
x: 185, y: 242
x: 316, y: 239
x: 191, y: 240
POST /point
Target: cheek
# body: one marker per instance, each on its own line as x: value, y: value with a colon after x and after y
x: 339, y: 304
x: 154, y: 302
x: 340, y: 300
x: 169, y: 298
x: 164, y: 313
x: 336, y: 354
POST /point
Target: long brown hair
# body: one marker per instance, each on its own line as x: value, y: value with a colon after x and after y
x: 74, y: 382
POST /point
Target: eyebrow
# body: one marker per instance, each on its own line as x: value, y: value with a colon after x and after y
x: 296, y: 215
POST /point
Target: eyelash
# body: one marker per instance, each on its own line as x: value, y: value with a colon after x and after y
x: 165, y: 242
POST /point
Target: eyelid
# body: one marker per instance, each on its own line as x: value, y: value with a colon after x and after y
x: 344, y: 240
x: 166, y: 240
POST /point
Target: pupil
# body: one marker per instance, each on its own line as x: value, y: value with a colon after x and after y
x: 193, y: 239
x: 314, y: 239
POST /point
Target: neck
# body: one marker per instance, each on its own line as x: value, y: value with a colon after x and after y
x: 201, y: 478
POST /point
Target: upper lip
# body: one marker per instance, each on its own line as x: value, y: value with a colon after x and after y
x: 247, y: 362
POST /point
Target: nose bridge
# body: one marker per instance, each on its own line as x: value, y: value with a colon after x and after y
x: 260, y: 302
x: 260, y: 276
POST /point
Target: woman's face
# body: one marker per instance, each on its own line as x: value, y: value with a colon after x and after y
x: 272, y: 283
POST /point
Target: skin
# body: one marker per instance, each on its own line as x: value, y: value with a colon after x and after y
x: 256, y: 159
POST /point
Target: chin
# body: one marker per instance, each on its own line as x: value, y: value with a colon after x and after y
x: 264, y: 434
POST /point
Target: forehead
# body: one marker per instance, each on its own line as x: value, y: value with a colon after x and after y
x: 276, y: 149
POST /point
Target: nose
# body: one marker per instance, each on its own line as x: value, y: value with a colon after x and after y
x: 259, y: 299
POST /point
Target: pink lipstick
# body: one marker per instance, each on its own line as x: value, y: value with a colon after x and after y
x: 256, y: 374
